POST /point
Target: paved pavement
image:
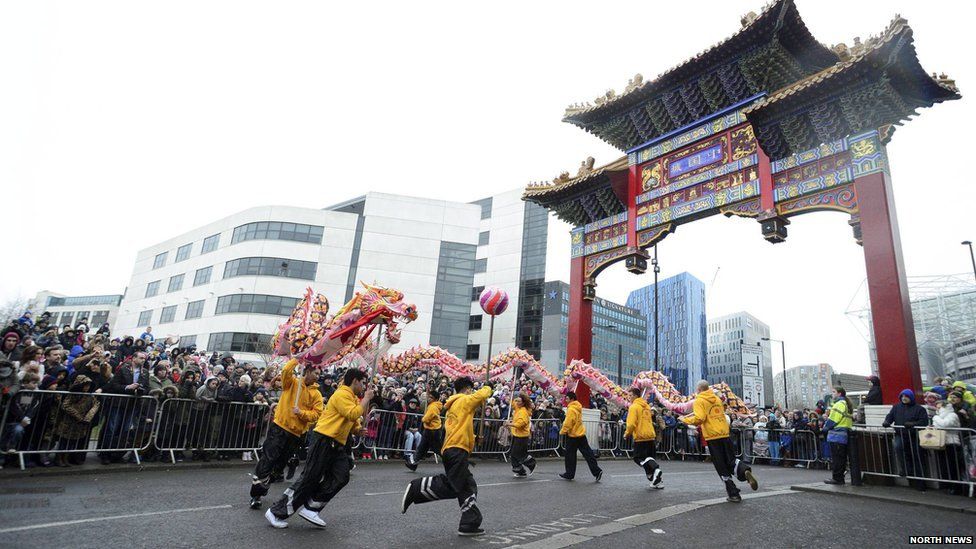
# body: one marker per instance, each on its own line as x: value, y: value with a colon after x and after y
x: 193, y: 508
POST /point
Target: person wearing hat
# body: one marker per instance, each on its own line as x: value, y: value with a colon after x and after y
x: 10, y: 348
x: 874, y: 393
x: 299, y: 407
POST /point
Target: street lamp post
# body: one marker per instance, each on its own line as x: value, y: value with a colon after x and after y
x: 657, y: 269
x: 971, y: 256
x: 786, y: 395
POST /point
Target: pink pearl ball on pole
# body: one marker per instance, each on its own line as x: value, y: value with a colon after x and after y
x: 493, y: 300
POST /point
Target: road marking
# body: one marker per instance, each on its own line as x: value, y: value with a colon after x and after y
x: 479, y: 486
x: 583, y: 535
x: 117, y: 517
x: 667, y: 474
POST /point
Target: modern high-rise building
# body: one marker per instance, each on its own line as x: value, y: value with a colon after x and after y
x: 70, y: 310
x: 619, y: 335
x: 227, y: 285
x: 738, y: 356
x: 681, y: 328
x: 805, y: 385
x: 511, y: 254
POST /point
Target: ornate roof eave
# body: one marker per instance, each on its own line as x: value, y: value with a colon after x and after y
x: 769, y: 21
x: 890, y: 58
x: 561, y: 193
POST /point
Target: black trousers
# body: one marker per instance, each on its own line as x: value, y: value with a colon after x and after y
x: 842, y: 455
x: 430, y: 440
x: 326, y: 472
x: 726, y: 464
x: 644, y: 452
x: 579, y: 443
x: 456, y: 482
x: 520, y: 455
x: 277, y: 449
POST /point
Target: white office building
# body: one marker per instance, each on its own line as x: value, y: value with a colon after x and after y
x: 227, y: 285
x: 805, y: 385
x: 738, y: 356
x: 70, y: 310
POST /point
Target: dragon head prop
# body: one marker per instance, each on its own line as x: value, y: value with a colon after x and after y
x: 314, y: 337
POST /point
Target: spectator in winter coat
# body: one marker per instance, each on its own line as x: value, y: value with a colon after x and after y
x: 874, y: 393
x: 906, y: 416
x: 10, y: 348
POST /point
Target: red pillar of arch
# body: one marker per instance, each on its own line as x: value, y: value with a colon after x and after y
x: 579, y: 337
x: 891, y: 311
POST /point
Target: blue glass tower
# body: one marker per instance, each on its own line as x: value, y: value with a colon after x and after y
x: 682, y: 331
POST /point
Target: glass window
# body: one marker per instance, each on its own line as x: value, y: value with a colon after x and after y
x: 476, y: 292
x: 202, y: 276
x: 194, y: 309
x: 187, y: 341
x: 483, y: 238
x: 167, y: 314
x: 67, y: 317
x: 270, y: 266
x: 160, y: 260
x: 474, y: 323
x: 98, y: 318
x: 277, y: 230
x: 472, y: 352
x: 210, y: 243
x: 239, y: 342
x: 485, y: 204
x: 152, y: 288
x: 175, y: 283
x: 256, y: 303
x: 481, y: 265
x: 183, y: 252
x: 145, y: 317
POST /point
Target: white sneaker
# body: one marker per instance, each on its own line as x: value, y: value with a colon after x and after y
x: 275, y: 521
x: 656, y: 478
x: 311, y: 516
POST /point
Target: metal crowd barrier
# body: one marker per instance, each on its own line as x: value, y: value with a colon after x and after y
x: 208, y: 426
x: 64, y: 422
x: 544, y: 436
x: 897, y: 452
x: 800, y: 447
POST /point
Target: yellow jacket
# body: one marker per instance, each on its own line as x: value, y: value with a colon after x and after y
x: 460, y: 419
x: 309, y: 402
x: 341, y: 414
x: 640, y: 423
x: 432, y: 416
x: 709, y: 412
x: 840, y: 415
x: 573, y: 424
x: 521, y: 421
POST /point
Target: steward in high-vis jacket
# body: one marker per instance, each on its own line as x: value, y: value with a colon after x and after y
x: 640, y: 427
x: 456, y: 482
x: 523, y: 464
x: 840, y: 437
x: 432, y: 436
x: 327, y: 466
x: 709, y: 413
x: 575, y: 433
x: 298, y: 408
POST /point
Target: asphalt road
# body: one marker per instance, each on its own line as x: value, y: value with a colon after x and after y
x: 195, y: 508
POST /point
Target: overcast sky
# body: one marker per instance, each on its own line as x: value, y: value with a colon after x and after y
x: 125, y: 123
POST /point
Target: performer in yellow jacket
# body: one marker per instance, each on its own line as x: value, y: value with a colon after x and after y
x: 640, y: 428
x: 327, y: 466
x: 298, y: 408
x: 432, y: 436
x: 709, y: 412
x: 457, y: 480
x: 575, y: 433
x: 523, y: 465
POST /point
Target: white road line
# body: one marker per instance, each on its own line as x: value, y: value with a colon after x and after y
x: 117, y: 517
x: 479, y: 486
x: 666, y: 474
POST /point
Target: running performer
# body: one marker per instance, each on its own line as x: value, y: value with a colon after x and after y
x: 327, y: 466
x: 298, y: 408
x: 523, y: 465
x: 575, y: 433
x: 457, y: 480
x: 432, y: 436
x: 640, y: 427
x: 709, y: 412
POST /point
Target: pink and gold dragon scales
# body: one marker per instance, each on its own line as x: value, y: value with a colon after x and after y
x: 318, y: 339
x: 655, y: 384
